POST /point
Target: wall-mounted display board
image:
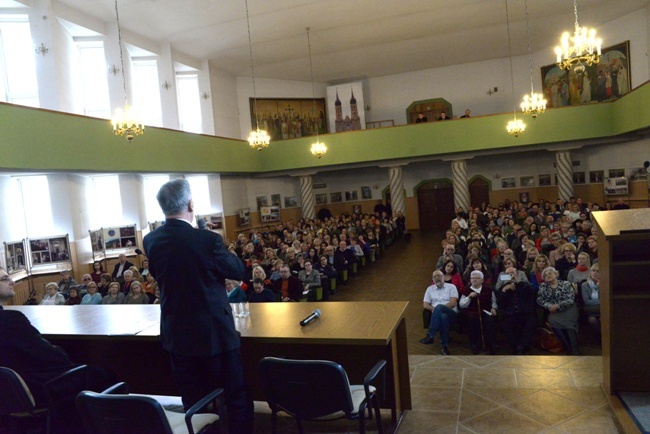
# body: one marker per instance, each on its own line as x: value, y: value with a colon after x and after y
x: 16, y: 259
x: 616, y: 186
x: 214, y: 221
x: 49, y: 254
x: 112, y: 241
x: 270, y: 214
x: 244, y: 216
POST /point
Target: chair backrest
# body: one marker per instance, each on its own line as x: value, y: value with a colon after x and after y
x: 15, y: 396
x: 61, y: 393
x: 306, y: 389
x: 121, y: 414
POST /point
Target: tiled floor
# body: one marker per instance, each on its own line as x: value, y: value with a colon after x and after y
x: 465, y: 393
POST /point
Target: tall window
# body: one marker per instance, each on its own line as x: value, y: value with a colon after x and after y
x: 105, y: 201
x: 200, y: 194
x: 189, y: 104
x: 34, y: 205
x: 92, y: 67
x: 151, y: 186
x: 18, y: 82
x: 146, y: 91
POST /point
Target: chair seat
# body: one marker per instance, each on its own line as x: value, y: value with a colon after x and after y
x: 358, y: 395
x: 199, y: 421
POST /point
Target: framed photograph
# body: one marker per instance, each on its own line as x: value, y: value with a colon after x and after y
x: 261, y: 202
x: 346, y: 107
x: 244, y: 216
x: 336, y: 197
x: 366, y: 193
x: 270, y: 214
x: 289, y: 118
x: 596, y: 176
x: 638, y: 174
x: 527, y: 181
x: 578, y: 177
x: 544, y: 180
x: 45, y: 251
x: 120, y: 237
x: 97, y: 240
x: 275, y: 200
x: 608, y: 79
x: 15, y: 256
x: 616, y: 173
x: 351, y: 195
x: 508, y: 182
x: 524, y: 197
x: 290, y: 201
x: 616, y: 186
x: 321, y: 199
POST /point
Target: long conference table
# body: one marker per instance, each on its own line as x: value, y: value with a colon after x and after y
x: 126, y: 339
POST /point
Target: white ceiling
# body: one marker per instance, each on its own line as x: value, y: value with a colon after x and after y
x: 350, y: 39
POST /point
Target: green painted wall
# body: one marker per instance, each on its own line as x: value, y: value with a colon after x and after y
x: 33, y: 139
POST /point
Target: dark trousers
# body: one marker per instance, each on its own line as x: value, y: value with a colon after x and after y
x: 474, y: 327
x: 520, y: 329
x: 197, y: 376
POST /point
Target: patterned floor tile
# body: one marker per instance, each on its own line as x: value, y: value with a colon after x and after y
x: 435, y: 399
x: 592, y: 397
x: 587, y: 377
x: 436, y: 377
x: 424, y: 422
x: 504, y: 421
x: 548, y: 408
x: 594, y: 422
x: 545, y: 378
x: 472, y: 405
x: 502, y: 396
x: 477, y: 377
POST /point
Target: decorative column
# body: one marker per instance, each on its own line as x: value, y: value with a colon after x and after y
x: 307, y: 197
x: 564, y: 175
x: 461, y: 188
x: 396, y: 189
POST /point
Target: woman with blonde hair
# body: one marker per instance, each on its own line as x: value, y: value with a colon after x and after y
x: 541, y: 262
x: 581, y: 273
x: 136, y: 274
x: 52, y: 295
x: 136, y: 294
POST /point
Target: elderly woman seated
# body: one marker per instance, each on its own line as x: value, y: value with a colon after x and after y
x: 136, y: 294
x: 114, y: 295
x: 52, y: 295
x: 309, y: 277
x: 590, y: 292
x: 92, y: 297
x: 234, y: 291
x: 516, y: 300
x: 558, y: 299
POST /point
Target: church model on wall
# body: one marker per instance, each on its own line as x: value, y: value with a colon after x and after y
x: 345, y: 107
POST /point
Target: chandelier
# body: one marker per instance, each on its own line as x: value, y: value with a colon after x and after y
x: 318, y: 149
x: 125, y: 121
x: 258, y: 139
x: 534, y: 103
x: 582, y: 47
x: 515, y: 126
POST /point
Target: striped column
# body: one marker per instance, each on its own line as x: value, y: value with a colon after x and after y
x: 396, y: 189
x: 461, y: 188
x: 564, y: 175
x: 307, y: 197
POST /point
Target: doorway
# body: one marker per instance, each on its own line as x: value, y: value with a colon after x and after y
x: 436, y: 205
x: 479, y: 191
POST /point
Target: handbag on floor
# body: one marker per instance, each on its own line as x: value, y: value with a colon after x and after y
x: 546, y: 340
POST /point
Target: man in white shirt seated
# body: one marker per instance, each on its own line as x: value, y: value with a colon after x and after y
x: 441, y: 299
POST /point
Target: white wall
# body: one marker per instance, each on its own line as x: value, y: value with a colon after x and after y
x: 224, y: 103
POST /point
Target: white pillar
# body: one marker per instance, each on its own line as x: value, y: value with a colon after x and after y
x: 461, y: 188
x: 396, y: 189
x: 168, y: 97
x: 564, y: 175
x: 42, y: 25
x: 307, y: 197
x: 207, y: 113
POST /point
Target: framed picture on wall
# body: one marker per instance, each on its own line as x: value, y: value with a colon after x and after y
x: 290, y: 201
x: 15, y: 256
x: 335, y: 197
x: 244, y: 216
x: 616, y: 173
x: 261, y: 202
x: 290, y: 118
x: 638, y: 174
x: 275, y: 200
x: 508, y: 182
x: 321, y: 199
x: 544, y: 180
x: 366, y: 193
x: 270, y: 214
x: 527, y: 181
x: 596, y: 176
x: 578, y: 177
x: 351, y: 195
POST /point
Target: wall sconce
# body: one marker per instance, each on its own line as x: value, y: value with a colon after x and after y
x: 42, y: 49
x: 205, y: 95
x: 114, y: 70
x: 165, y: 85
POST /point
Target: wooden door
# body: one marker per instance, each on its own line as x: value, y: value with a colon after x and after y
x: 436, y: 206
x: 479, y: 192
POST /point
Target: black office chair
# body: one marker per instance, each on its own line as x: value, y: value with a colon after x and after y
x: 319, y: 390
x: 114, y: 411
x: 17, y: 405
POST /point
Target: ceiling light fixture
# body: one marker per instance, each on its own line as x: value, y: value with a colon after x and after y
x: 258, y: 139
x: 516, y: 126
x: 318, y: 149
x: 582, y: 47
x: 533, y: 104
x: 124, y: 121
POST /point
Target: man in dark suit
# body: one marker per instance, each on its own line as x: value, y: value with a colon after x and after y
x: 197, y: 326
x: 120, y: 268
x: 288, y: 286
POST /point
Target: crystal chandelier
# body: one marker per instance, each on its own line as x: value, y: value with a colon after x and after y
x: 258, y: 139
x: 318, y: 149
x: 515, y: 126
x: 582, y: 47
x: 125, y: 121
x: 534, y: 103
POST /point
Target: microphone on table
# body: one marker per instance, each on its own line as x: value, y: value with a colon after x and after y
x: 315, y: 314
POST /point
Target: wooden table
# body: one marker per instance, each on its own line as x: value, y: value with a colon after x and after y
x: 126, y: 339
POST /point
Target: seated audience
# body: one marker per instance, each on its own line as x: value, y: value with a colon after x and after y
x: 128, y: 280
x: 114, y: 295
x: 567, y: 262
x: 104, y: 281
x: 136, y: 294
x: 581, y: 273
x: 327, y: 273
x: 451, y: 274
x: 235, y: 292
x: 150, y: 286
x: 309, y: 277
x: 449, y: 249
x: 144, y: 270
x: 590, y: 292
x: 136, y: 274
x: 52, y: 295
x: 441, y: 299
x: 517, y: 301
x: 505, y: 277
x: 260, y: 294
x: 479, y: 305
x: 557, y: 298
x: 66, y: 282
x: 73, y: 297
x: 119, y: 269
x: 92, y: 296
x: 98, y: 270
x: 541, y: 263
x: 288, y: 286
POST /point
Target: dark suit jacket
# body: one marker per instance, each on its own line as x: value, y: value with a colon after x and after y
x: 295, y: 288
x: 127, y: 265
x: 23, y: 349
x: 190, y: 266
